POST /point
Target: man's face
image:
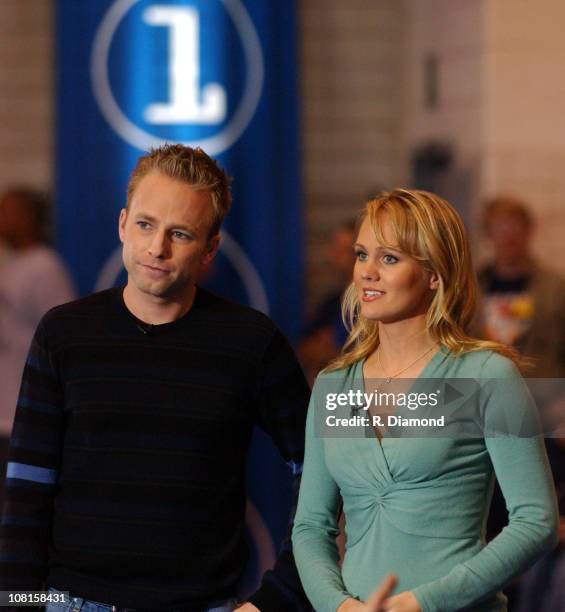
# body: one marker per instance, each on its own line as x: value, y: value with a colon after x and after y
x: 341, y: 254
x: 165, y: 233
x: 511, y: 238
x: 15, y: 221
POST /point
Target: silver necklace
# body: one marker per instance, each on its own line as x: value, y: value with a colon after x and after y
x: 388, y: 378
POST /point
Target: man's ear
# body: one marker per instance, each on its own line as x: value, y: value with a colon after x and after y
x: 122, y: 224
x: 211, y: 249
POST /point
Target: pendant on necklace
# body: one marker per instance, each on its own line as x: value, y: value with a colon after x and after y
x: 387, y: 381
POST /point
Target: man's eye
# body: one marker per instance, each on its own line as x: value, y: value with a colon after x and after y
x: 181, y: 236
x: 143, y: 225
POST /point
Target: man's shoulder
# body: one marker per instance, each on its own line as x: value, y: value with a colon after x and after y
x: 234, y: 327
x: 549, y: 278
x: 93, y: 305
x: 36, y: 265
x: 220, y: 308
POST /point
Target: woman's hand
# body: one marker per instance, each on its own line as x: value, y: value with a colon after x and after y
x: 375, y: 602
x: 351, y: 605
x: 403, y: 602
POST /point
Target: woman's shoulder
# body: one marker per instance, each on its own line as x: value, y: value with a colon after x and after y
x: 486, y: 363
x: 338, y: 380
x: 339, y: 374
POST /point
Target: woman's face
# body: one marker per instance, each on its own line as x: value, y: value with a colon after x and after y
x: 391, y: 286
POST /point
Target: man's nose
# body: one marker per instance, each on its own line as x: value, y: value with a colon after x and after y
x: 159, y: 246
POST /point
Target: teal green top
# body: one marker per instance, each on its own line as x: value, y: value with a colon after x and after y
x: 417, y: 506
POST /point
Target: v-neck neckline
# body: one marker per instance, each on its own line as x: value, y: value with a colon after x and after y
x: 441, y: 353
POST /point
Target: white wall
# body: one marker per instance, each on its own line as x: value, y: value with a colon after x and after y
x: 524, y: 110
x: 26, y: 92
x: 352, y: 80
x: 502, y: 95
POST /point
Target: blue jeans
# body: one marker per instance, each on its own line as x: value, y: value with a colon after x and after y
x: 78, y: 604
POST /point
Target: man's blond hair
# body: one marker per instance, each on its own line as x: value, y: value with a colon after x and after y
x: 191, y: 166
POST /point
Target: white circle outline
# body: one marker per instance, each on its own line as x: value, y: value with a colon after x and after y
x: 143, y: 140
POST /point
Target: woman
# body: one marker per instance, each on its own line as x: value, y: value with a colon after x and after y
x: 416, y: 506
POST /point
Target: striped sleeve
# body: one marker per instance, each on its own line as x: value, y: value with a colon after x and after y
x: 282, y: 407
x: 282, y: 401
x: 32, y: 472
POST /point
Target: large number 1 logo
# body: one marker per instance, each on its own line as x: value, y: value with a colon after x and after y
x: 190, y: 102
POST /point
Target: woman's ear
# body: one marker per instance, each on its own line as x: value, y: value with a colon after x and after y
x: 434, y: 282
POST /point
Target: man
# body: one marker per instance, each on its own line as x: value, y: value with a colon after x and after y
x: 523, y: 305
x: 127, y: 473
x: 325, y: 333
x: 33, y: 279
x: 523, y: 302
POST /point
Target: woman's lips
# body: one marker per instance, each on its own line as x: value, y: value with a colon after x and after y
x: 370, y: 295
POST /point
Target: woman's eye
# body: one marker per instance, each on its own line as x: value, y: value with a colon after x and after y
x: 361, y: 256
x: 389, y: 259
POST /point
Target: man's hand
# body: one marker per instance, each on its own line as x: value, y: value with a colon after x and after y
x: 247, y: 607
x: 375, y: 602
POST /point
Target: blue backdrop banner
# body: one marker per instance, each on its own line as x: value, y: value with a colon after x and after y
x: 220, y: 74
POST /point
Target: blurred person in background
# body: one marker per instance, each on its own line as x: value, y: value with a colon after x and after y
x: 33, y: 279
x: 4, y: 252
x: 523, y: 305
x: 523, y: 302
x: 325, y: 333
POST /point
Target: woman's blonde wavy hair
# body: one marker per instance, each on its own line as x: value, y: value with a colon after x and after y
x: 428, y: 229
